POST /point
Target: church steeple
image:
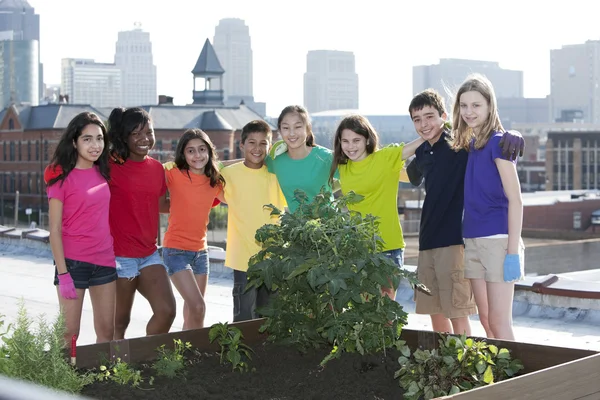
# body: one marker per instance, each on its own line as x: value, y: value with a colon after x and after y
x: 208, y: 77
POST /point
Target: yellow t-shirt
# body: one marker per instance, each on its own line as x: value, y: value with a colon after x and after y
x: 376, y: 178
x: 247, y: 191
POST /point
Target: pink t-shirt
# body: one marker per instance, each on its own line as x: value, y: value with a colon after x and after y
x: 85, y: 229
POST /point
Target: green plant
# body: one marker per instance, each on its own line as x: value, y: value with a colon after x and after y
x: 459, y: 364
x: 37, y: 355
x: 233, y: 349
x: 171, y: 362
x: 327, y: 268
x: 121, y: 373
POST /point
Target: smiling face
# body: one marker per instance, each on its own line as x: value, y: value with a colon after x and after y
x: 89, y: 145
x: 140, y: 142
x: 428, y: 123
x: 255, y: 149
x: 293, y: 131
x: 354, y: 145
x: 196, y: 155
x: 474, y: 109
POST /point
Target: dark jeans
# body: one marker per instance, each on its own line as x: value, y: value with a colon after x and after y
x: 245, y: 304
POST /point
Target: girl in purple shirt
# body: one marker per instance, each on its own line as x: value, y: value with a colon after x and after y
x: 82, y: 246
x: 493, y: 209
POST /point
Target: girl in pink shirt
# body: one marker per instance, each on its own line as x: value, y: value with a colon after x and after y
x: 80, y: 238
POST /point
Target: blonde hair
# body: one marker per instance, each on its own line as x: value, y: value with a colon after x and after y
x: 462, y: 135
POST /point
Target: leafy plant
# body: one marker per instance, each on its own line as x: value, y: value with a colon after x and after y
x: 171, y: 362
x: 327, y: 269
x: 121, y: 373
x: 459, y: 364
x: 37, y: 354
x: 232, y: 348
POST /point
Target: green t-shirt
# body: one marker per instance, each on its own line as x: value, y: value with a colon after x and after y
x: 309, y: 174
x: 376, y: 178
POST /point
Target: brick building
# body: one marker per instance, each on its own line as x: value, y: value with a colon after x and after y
x: 572, y: 160
x: 28, y: 134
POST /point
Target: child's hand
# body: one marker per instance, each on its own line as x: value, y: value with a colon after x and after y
x: 512, y: 268
x: 169, y: 165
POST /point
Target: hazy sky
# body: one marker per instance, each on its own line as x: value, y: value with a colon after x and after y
x: 387, y: 38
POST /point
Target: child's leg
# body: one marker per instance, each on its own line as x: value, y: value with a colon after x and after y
x: 72, y: 313
x: 461, y: 326
x: 439, y: 323
x: 476, y: 272
x: 155, y: 286
x: 500, y: 299
x: 194, y: 307
x: 481, y: 298
x: 243, y: 303
x: 104, y: 298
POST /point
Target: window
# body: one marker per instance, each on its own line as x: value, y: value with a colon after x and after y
x: 11, y: 124
x: 29, y: 150
x: 29, y: 182
x: 19, y: 150
x: 37, y: 150
x: 12, y: 151
x: 46, y: 155
x: 4, y: 151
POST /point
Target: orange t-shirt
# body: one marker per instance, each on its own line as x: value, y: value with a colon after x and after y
x: 191, y: 200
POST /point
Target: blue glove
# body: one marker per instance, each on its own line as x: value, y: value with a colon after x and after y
x: 512, y: 268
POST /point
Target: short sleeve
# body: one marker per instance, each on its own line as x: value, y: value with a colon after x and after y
x: 169, y: 176
x: 497, y: 150
x: 57, y: 191
x: 393, y: 156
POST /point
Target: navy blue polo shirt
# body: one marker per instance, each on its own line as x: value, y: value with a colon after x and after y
x: 444, y: 172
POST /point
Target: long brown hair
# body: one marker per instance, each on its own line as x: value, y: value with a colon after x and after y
x: 211, y: 169
x: 359, y: 125
x: 462, y: 135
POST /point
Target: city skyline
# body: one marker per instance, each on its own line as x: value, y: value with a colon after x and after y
x: 387, y: 42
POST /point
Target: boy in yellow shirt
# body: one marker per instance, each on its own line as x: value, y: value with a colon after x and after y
x: 248, y: 188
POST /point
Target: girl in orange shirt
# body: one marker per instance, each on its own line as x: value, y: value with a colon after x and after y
x: 193, y: 187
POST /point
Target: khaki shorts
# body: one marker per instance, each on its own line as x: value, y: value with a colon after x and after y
x: 484, y: 258
x: 441, y: 270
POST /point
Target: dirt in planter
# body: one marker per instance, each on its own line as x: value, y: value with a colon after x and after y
x: 282, y: 373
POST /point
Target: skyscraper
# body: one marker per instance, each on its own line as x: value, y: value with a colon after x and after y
x: 330, y: 81
x: 88, y: 82
x: 574, y: 77
x: 234, y: 49
x: 19, y: 72
x: 18, y: 21
x: 133, y: 57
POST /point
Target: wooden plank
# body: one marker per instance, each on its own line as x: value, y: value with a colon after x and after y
x: 571, y: 381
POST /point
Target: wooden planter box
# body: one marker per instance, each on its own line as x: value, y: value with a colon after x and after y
x: 557, y: 373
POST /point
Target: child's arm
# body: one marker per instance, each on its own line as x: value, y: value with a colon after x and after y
x: 409, y: 149
x: 512, y: 189
x: 164, y: 204
x: 221, y: 197
x: 414, y: 173
x: 66, y: 286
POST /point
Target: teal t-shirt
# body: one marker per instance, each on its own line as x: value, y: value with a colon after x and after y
x: 309, y: 174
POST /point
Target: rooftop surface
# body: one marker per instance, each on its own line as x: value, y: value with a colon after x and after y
x: 29, y: 277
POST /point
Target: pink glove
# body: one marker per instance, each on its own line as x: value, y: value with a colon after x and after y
x: 66, y: 286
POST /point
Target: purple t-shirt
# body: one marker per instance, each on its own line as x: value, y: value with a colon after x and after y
x: 85, y: 230
x: 486, y: 205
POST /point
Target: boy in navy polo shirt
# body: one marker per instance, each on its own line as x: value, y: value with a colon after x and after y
x: 441, y: 245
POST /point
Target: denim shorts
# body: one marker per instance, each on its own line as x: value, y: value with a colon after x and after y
x: 179, y: 260
x: 130, y: 267
x: 397, y: 255
x: 85, y: 274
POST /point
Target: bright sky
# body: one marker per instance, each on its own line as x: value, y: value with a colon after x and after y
x: 388, y: 37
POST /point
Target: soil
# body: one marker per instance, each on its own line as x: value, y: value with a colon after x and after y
x: 282, y: 373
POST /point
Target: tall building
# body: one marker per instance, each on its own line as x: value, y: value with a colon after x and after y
x: 448, y: 75
x: 234, y: 49
x: 19, y: 72
x: 133, y: 57
x: 574, y: 76
x: 330, y: 81
x: 19, y: 18
x: 88, y: 82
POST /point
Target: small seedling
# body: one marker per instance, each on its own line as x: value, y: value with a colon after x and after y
x: 121, y: 373
x: 233, y: 350
x: 170, y: 363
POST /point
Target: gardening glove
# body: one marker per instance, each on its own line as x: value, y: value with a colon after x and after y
x: 169, y: 165
x: 512, y: 143
x: 66, y: 286
x: 277, y: 149
x: 512, y: 268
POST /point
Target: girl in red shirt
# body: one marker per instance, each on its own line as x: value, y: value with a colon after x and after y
x: 138, y: 191
x: 193, y: 187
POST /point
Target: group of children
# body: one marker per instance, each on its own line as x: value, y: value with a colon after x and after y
x: 106, y: 193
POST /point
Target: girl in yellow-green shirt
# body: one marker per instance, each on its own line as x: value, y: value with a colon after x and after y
x: 373, y: 173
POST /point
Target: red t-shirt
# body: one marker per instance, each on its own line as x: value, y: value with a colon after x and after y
x: 135, y: 189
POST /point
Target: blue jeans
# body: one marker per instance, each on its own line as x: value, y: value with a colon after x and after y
x: 180, y: 260
x: 130, y: 267
x: 85, y: 274
x: 397, y: 255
